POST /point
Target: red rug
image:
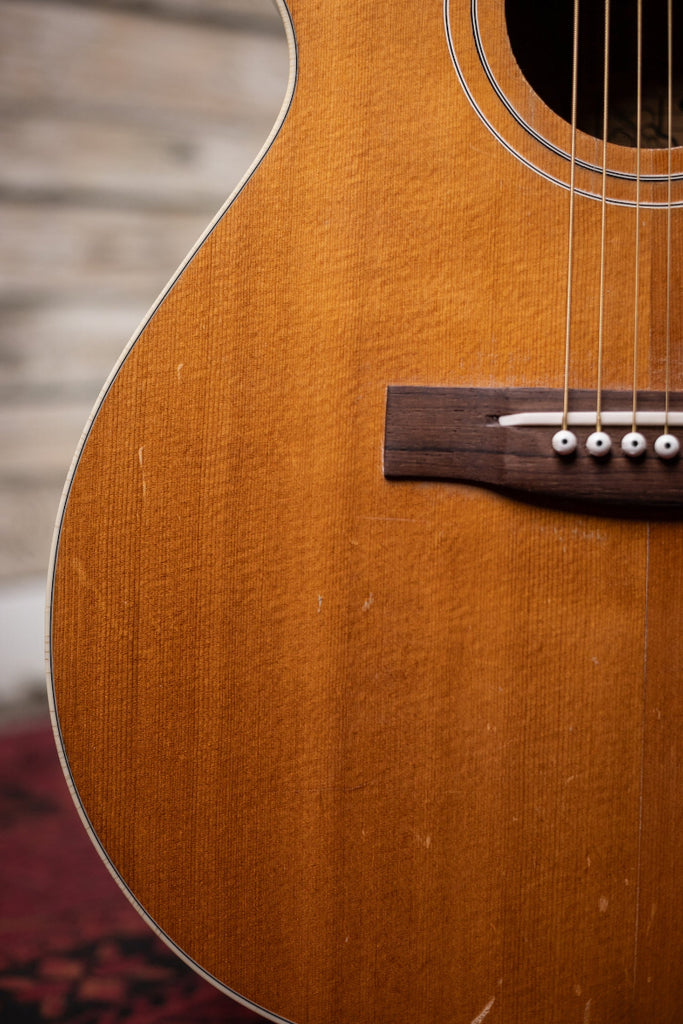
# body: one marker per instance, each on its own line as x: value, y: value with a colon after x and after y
x: 72, y: 949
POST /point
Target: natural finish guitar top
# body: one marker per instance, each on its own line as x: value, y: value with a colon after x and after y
x: 367, y: 748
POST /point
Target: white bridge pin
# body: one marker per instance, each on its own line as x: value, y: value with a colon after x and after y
x: 633, y: 444
x: 667, y: 446
x: 564, y: 442
x: 598, y: 444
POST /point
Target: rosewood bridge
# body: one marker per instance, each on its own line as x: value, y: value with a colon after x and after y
x: 503, y: 438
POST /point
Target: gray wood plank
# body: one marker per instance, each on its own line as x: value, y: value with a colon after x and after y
x: 123, y: 127
x: 90, y: 252
x: 27, y: 515
x: 261, y: 15
x: 58, y: 57
x: 63, y: 350
x: 127, y: 165
x: 38, y: 442
x: 39, y: 439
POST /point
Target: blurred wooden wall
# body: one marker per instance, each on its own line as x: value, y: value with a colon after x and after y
x: 123, y: 128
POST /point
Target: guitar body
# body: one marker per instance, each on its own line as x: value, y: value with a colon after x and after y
x: 372, y: 750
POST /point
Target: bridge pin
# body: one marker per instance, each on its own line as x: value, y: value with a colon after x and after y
x: 564, y: 442
x: 667, y: 446
x: 633, y: 444
x: 598, y: 444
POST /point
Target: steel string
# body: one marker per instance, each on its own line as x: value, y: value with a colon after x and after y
x: 572, y: 197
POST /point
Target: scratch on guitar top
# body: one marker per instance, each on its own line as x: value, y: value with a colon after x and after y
x: 485, y: 1012
x: 178, y: 369
x: 142, y: 470
x: 368, y: 603
x: 320, y: 603
x: 587, y: 1012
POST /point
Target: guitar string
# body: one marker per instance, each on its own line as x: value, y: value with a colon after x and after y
x: 572, y: 196
x: 669, y: 131
x: 603, y: 221
x: 636, y: 294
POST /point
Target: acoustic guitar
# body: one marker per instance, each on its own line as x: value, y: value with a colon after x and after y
x: 366, y: 632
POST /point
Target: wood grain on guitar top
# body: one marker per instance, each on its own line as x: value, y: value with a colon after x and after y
x: 369, y: 750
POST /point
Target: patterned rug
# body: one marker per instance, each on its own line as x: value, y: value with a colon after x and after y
x: 72, y: 949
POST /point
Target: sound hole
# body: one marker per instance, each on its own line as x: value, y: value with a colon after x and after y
x: 541, y: 39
